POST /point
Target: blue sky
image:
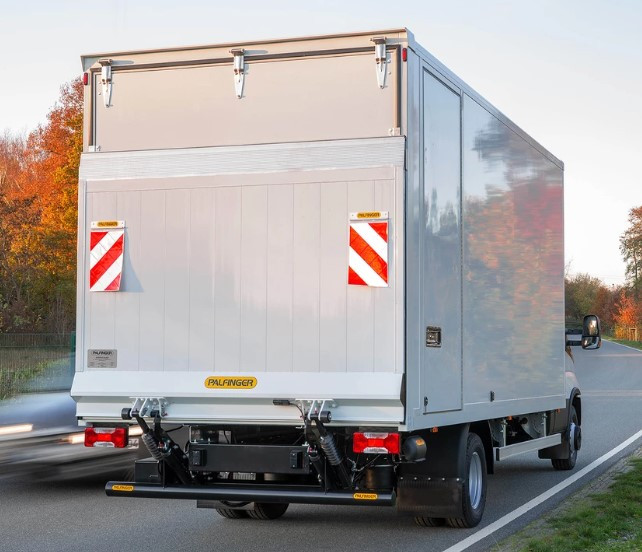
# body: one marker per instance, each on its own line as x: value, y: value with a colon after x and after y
x: 568, y: 72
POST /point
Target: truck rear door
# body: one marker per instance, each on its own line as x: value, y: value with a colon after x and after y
x: 238, y: 216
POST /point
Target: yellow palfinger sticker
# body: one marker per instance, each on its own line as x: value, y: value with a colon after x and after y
x: 123, y: 488
x: 230, y: 382
x: 365, y: 496
x: 102, y: 224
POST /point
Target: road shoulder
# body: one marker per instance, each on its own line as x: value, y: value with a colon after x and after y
x: 544, y: 526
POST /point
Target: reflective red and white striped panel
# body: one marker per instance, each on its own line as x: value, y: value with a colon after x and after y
x: 106, y: 248
x: 368, y: 254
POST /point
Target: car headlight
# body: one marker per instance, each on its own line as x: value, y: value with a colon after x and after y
x: 15, y: 429
x: 75, y: 438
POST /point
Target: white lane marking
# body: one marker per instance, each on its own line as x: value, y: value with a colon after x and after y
x: 490, y: 529
x: 621, y: 345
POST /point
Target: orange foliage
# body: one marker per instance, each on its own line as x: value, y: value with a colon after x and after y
x: 38, y: 206
x: 628, y: 311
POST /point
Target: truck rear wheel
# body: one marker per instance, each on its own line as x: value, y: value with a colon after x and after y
x: 231, y: 513
x: 474, y: 495
x: 424, y: 521
x: 265, y: 510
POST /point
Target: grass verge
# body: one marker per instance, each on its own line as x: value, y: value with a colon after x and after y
x: 19, y: 366
x: 627, y: 342
x: 608, y: 521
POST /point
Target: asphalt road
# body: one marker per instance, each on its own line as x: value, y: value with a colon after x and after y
x: 78, y: 516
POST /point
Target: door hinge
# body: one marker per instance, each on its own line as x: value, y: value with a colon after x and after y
x: 239, y: 70
x: 106, y: 80
x: 380, y: 59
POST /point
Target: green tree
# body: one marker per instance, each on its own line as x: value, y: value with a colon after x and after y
x: 631, y: 248
x: 583, y: 293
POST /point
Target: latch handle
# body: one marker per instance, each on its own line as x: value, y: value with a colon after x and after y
x: 433, y: 336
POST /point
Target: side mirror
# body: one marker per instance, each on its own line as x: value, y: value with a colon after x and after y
x: 591, y: 338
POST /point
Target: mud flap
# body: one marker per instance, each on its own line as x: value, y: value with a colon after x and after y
x: 435, y: 487
x: 430, y: 497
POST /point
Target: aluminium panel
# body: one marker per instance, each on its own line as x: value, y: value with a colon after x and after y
x: 285, y: 100
x: 358, y: 398
x: 441, y: 363
x: 246, y: 273
x: 512, y: 246
x: 438, y: 67
x: 513, y: 264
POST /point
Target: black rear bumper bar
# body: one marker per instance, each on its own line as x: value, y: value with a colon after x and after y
x: 251, y: 493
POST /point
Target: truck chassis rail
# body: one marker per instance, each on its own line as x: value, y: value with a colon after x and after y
x: 251, y: 493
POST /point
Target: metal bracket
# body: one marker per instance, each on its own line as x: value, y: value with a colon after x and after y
x: 146, y: 405
x: 239, y: 70
x: 106, y: 80
x: 314, y: 406
x: 380, y: 59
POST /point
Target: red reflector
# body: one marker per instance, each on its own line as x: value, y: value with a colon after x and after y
x: 375, y: 443
x: 85, y: 78
x: 404, y: 55
x: 106, y: 437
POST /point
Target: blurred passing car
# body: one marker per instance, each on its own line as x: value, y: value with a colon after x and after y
x: 40, y: 438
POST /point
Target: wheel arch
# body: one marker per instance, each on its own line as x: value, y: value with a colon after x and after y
x: 576, y: 401
x: 482, y: 428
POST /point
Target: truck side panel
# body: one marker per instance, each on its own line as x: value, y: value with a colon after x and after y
x: 513, y: 264
x: 511, y: 267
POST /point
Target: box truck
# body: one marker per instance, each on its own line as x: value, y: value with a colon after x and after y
x: 329, y: 263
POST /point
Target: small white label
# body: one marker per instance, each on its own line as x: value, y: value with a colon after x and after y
x: 102, y: 358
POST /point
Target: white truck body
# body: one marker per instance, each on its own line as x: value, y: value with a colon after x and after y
x: 237, y: 226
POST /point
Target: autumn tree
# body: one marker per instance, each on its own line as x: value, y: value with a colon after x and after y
x: 19, y: 218
x: 582, y: 291
x: 605, y: 306
x: 631, y: 248
x: 55, y: 172
x: 38, y: 183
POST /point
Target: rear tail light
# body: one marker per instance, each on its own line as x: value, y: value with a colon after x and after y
x: 374, y: 443
x: 106, y: 437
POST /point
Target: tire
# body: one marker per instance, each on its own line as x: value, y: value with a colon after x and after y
x: 474, y: 495
x: 230, y: 513
x: 267, y: 510
x: 569, y: 463
x: 424, y: 521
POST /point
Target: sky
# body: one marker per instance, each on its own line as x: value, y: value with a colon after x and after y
x: 568, y: 72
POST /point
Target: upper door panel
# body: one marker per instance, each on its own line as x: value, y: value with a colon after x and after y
x: 284, y: 100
